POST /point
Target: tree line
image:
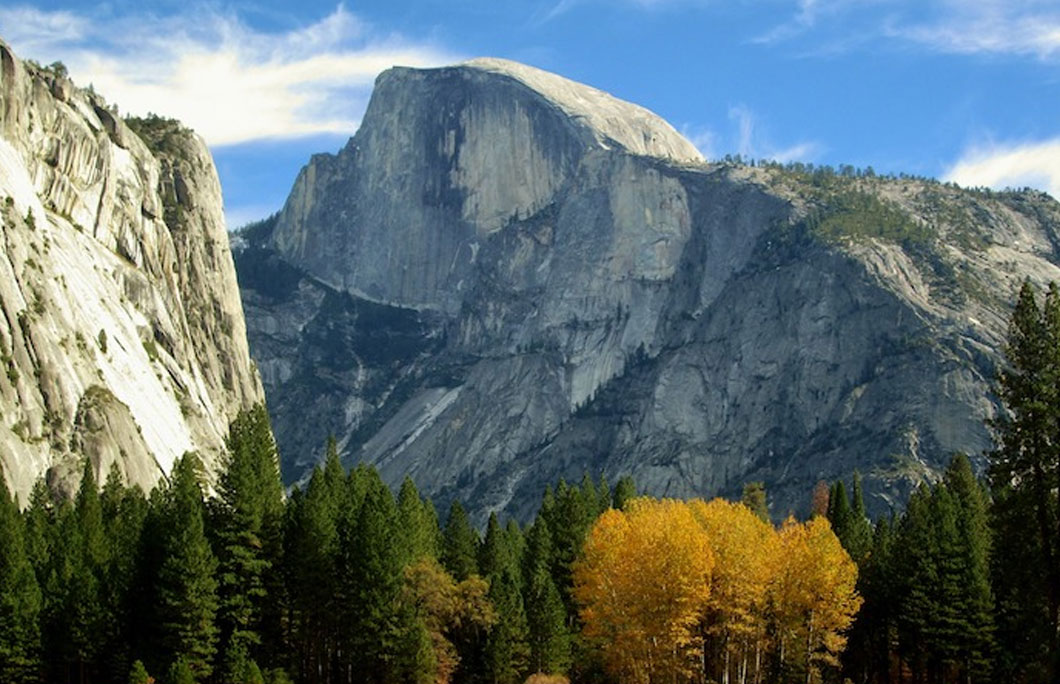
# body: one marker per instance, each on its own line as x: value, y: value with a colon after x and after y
x: 343, y: 581
x: 964, y: 585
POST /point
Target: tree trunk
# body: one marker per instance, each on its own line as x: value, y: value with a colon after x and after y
x: 809, y: 650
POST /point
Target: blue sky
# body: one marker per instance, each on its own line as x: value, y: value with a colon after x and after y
x: 963, y: 90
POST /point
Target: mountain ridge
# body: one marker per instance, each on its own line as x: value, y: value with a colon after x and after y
x: 582, y: 308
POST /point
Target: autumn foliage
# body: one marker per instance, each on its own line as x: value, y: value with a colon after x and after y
x: 644, y: 582
x: 675, y: 591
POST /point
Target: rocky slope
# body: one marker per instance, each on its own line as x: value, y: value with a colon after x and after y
x: 122, y: 335
x: 506, y: 277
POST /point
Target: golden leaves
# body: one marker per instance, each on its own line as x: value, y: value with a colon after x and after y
x: 657, y: 580
x: 643, y: 583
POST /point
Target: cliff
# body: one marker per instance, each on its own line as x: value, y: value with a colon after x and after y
x: 506, y: 278
x: 122, y: 335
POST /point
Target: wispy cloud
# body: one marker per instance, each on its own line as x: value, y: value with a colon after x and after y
x: 754, y: 142
x: 1015, y: 27
x: 1034, y: 164
x: 988, y: 26
x: 747, y: 137
x: 704, y: 139
x: 230, y: 82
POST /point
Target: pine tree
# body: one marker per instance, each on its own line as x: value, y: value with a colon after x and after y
x: 419, y: 527
x: 839, y: 513
x: 124, y: 513
x: 859, y: 532
x: 568, y: 523
x: 186, y: 607
x: 459, y: 544
x: 20, y: 599
x: 507, y: 651
x: 373, y: 565
x: 311, y: 568
x: 754, y: 497
x: 516, y: 541
x: 495, y: 556
x: 873, y: 634
x: 39, y: 529
x: 85, y: 618
x: 249, y: 546
x: 603, y: 496
x: 550, y: 638
x: 625, y: 490
x: 138, y: 673
x: 976, y: 643
x: 916, y: 593
x: 1025, y: 473
x: 590, y: 497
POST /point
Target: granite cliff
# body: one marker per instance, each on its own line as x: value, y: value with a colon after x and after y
x: 505, y: 278
x: 122, y: 337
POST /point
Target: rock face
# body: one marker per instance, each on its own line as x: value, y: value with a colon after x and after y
x: 122, y: 335
x: 506, y: 278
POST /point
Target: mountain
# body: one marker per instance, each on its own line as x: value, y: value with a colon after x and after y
x: 506, y: 277
x: 122, y: 335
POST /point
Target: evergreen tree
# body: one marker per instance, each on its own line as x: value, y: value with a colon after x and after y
x: 1025, y: 473
x: 590, y: 497
x: 568, y: 522
x: 546, y: 616
x: 373, y: 561
x: 516, y: 542
x: 311, y: 553
x: 859, y: 533
x: 495, y: 556
x: 419, y: 527
x: 249, y: 545
x: 507, y: 650
x: 39, y: 529
x: 754, y: 497
x: 603, y: 496
x: 625, y: 490
x: 20, y: 599
x: 975, y: 644
x: 85, y: 617
x: 124, y: 513
x: 138, y: 673
x: 916, y: 592
x: 459, y: 544
x: 186, y: 585
x: 873, y: 635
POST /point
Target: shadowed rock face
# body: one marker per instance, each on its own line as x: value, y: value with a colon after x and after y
x: 506, y: 278
x: 122, y: 335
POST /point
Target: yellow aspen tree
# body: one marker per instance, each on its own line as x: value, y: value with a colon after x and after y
x: 642, y: 585
x: 814, y: 596
x: 744, y: 548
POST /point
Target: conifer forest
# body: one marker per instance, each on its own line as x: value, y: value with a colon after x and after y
x: 342, y: 580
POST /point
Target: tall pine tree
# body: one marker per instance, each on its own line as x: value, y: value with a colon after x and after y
x: 186, y: 584
x: 1025, y: 474
x: 249, y: 546
x: 20, y: 599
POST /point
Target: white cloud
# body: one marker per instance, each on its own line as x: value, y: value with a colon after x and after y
x: 1017, y: 27
x: 228, y: 81
x: 753, y: 143
x: 34, y: 31
x: 999, y: 32
x: 704, y: 139
x: 747, y: 138
x: 1036, y: 165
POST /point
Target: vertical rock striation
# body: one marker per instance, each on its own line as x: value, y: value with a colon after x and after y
x: 121, y: 328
